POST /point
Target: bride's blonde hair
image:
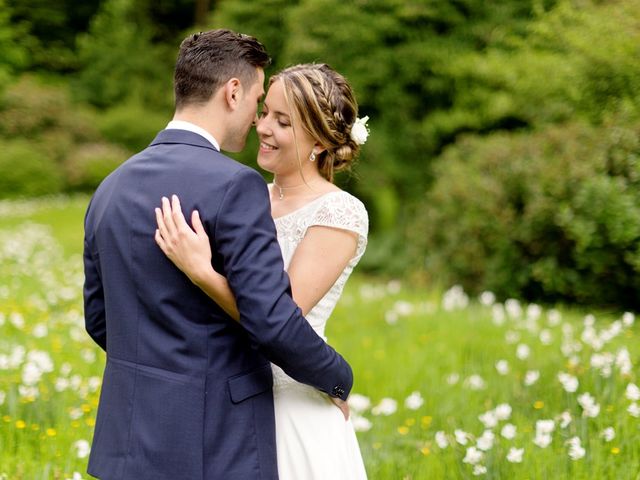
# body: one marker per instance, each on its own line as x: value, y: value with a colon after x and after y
x: 323, y: 101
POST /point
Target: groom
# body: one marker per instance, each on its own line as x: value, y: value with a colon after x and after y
x: 187, y: 391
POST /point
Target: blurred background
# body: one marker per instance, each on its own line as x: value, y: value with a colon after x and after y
x: 504, y: 147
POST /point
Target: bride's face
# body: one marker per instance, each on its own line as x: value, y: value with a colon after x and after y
x: 275, y: 127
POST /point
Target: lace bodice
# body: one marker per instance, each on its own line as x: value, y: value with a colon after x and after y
x: 336, y: 209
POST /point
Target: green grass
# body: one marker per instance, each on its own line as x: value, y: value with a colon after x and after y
x: 398, y: 338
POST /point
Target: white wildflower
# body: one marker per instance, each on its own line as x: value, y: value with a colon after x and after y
x: 479, y: 470
x: 589, y: 406
x: 531, y: 377
x: 485, y: 442
x: 487, y: 298
x: 360, y: 424
x: 628, y: 318
x: 441, y: 439
x: 545, y: 426
x: 569, y: 382
x: 634, y: 410
x: 608, y: 434
x: 462, y: 437
x: 473, y: 456
x: 565, y: 419
x: 489, y: 419
x: 515, y: 455
x: 82, y: 448
x: 497, y: 314
x: 513, y: 308
x: 545, y: 337
x: 508, y: 431
x: 453, y: 378
x: 523, y: 351
x: 576, y: 452
x: 414, y: 401
x: 387, y: 406
x: 542, y: 440
x: 554, y: 318
x: 632, y: 392
x: 502, y: 366
x: 476, y: 382
x: 503, y: 411
x: 358, y: 403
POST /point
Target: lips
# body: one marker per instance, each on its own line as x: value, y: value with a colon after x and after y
x: 266, y: 146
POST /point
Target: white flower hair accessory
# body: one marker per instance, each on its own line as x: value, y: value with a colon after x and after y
x: 360, y: 130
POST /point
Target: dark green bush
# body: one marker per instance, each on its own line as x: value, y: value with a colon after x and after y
x: 26, y: 171
x: 88, y: 164
x: 132, y: 125
x: 548, y: 216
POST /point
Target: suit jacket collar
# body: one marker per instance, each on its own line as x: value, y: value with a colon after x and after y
x: 185, y: 137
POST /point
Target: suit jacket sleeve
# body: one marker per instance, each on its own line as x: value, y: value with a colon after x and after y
x: 245, y: 237
x: 94, y: 311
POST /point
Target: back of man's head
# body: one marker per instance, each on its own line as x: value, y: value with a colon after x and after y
x: 207, y: 60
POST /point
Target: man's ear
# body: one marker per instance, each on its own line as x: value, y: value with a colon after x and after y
x: 233, y: 92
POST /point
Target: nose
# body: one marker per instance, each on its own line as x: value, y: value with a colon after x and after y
x: 261, y: 126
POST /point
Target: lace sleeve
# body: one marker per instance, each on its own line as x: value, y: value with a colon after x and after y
x: 343, y: 210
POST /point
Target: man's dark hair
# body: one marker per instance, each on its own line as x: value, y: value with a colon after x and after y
x: 207, y: 60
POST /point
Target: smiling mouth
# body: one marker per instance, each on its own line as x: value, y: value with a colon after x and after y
x: 266, y: 146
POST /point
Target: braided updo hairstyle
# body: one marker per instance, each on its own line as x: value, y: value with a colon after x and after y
x: 324, y: 102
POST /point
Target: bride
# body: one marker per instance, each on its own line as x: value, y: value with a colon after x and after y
x: 308, y: 130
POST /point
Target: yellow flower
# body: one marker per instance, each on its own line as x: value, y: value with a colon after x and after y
x: 403, y: 430
x: 75, y: 424
x: 426, y: 421
x: 615, y: 450
x: 35, y: 427
x: 538, y: 404
x: 90, y: 421
x: 410, y: 422
x: 85, y: 408
x: 6, y: 418
x: 20, y: 424
x: 51, y: 432
x: 425, y: 450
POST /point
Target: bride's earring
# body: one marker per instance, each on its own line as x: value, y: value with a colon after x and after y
x: 312, y: 157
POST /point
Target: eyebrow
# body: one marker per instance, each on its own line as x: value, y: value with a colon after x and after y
x: 276, y: 112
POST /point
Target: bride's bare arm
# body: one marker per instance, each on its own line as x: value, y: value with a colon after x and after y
x: 318, y: 261
x: 189, y: 249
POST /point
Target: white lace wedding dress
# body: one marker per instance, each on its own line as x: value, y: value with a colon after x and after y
x: 314, y: 442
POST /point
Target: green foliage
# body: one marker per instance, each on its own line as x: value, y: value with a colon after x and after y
x: 29, y: 108
x: 48, y: 30
x: 131, y: 125
x: 551, y: 215
x: 89, y: 163
x: 119, y: 61
x: 27, y: 171
x: 12, y: 52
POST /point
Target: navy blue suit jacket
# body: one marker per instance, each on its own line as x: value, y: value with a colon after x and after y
x: 187, y: 391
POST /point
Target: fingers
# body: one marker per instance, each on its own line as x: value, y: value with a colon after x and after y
x: 197, y: 223
x: 169, y: 222
x: 162, y: 227
x: 178, y: 217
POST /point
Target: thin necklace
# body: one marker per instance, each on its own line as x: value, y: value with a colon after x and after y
x: 282, y: 189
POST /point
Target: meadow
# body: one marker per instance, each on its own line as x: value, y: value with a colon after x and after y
x: 447, y: 386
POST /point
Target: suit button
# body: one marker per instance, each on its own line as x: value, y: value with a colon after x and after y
x: 338, y: 391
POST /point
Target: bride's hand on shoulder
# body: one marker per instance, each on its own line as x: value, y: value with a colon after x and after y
x: 188, y: 248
